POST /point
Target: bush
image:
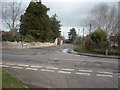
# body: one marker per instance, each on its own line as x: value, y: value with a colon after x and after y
x: 110, y: 52
x: 99, y: 51
x: 28, y: 38
x: 100, y: 38
x: 7, y: 37
x: 17, y: 39
x: 88, y: 43
x: 103, y: 45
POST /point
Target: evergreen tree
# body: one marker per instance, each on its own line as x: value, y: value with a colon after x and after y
x: 55, y: 26
x: 36, y: 22
x: 72, y: 35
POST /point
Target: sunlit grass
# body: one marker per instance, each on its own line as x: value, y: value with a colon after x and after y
x: 8, y: 81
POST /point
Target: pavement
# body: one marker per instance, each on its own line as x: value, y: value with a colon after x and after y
x: 54, y: 67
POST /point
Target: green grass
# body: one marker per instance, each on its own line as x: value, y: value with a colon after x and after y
x: 8, y: 81
x: 82, y: 49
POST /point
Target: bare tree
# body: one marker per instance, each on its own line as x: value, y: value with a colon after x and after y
x: 11, y: 14
x: 103, y: 17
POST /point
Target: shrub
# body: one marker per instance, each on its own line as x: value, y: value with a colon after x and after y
x: 28, y: 38
x: 100, y: 38
x: 88, y: 43
x: 7, y: 37
x: 110, y: 52
x: 103, y: 45
x: 17, y: 39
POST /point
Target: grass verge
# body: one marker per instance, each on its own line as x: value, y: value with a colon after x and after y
x: 82, y: 49
x: 9, y: 81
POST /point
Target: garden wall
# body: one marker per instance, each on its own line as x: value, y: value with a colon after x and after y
x: 21, y: 45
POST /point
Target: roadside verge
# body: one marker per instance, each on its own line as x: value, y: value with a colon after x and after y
x: 93, y: 55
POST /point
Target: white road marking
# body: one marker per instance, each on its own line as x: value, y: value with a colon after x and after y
x: 0, y: 63
x: 64, y: 72
x: 51, y: 68
x: 85, y: 70
x: 35, y: 69
x: 46, y: 70
x: 82, y: 73
x: 36, y: 66
x: 10, y: 64
x: 23, y: 65
x: 17, y: 67
x: 84, y: 60
x: 5, y: 66
x: 102, y: 75
x: 105, y: 72
x: 67, y: 69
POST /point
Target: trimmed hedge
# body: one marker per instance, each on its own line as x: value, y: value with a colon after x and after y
x: 110, y: 52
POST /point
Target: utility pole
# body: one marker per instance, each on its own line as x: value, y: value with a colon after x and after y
x: 90, y: 29
x: 83, y: 35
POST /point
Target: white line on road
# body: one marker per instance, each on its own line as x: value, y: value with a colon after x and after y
x: 82, y: 73
x: 64, y: 72
x: 51, y: 68
x: 17, y: 67
x: 5, y: 66
x: 102, y: 75
x: 105, y: 72
x: 116, y: 62
x: 22, y: 65
x: 35, y: 69
x: 36, y: 66
x: 67, y: 69
x: 46, y: 70
x: 85, y: 70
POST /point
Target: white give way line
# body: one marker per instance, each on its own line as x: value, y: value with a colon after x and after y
x: 84, y: 60
x: 58, y: 70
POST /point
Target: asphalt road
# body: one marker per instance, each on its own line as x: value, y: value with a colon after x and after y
x: 52, y: 67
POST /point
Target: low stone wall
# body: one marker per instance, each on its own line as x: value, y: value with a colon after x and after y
x: 21, y: 45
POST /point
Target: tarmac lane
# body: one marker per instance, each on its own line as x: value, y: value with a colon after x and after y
x: 53, y: 68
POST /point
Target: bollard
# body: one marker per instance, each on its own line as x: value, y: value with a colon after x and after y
x: 106, y: 52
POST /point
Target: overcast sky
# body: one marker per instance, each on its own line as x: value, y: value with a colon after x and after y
x: 71, y: 13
